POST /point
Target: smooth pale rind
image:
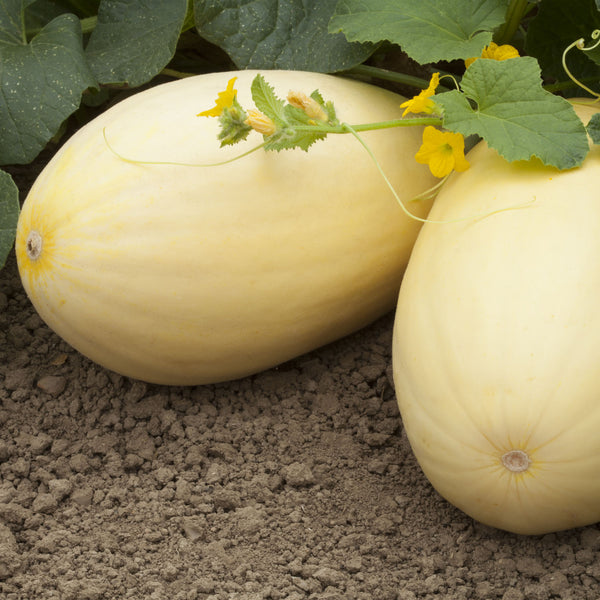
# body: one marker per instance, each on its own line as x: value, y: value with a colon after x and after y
x: 188, y: 275
x: 497, y: 344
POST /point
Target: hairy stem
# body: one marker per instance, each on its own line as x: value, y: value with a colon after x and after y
x: 88, y: 24
x: 386, y: 75
x: 176, y: 74
x: 345, y: 128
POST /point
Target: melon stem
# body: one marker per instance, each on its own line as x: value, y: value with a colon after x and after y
x: 34, y: 245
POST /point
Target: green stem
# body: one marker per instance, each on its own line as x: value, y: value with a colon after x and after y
x: 430, y: 193
x: 385, y: 75
x: 565, y: 85
x: 388, y: 183
x: 178, y: 164
x: 88, y: 24
x: 517, y: 9
x: 176, y: 74
x: 435, y: 121
x: 344, y: 127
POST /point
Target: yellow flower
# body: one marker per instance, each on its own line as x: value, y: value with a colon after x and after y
x: 422, y: 103
x: 495, y: 52
x: 443, y: 151
x: 260, y: 122
x: 224, y: 100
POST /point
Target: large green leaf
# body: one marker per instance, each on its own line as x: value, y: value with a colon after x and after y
x: 504, y: 103
x: 9, y: 214
x: 593, y: 128
x: 427, y: 30
x: 278, y: 34
x: 556, y: 25
x: 133, y: 41
x: 41, y: 82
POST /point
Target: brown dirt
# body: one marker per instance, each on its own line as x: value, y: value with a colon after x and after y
x: 297, y: 483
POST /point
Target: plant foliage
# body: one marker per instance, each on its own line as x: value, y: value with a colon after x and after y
x: 61, y: 58
x: 278, y: 34
x: 504, y: 103
x: 460, y: 28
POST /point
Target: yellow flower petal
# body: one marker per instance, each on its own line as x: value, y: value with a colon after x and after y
x: 422, y: 103
x: 443, y: 151
x: 224, y: 100
x: 441, y: 164
x: 433, y: 83
x: 503, y: 52
x: 495, y: 52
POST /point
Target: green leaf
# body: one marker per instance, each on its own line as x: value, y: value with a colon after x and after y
x: 556, y: 25
x: 427, y: 30
x: 514, y: 114
x: 278, y: 34
x: 134, y: 41
x: 287, y: 118
x: 290, y: 137
x: 593, y: 128
x: 40, y: 83
x: 266, y: 101
x: 327, y: 106
x: 9, y: 214
x: 298, y: 138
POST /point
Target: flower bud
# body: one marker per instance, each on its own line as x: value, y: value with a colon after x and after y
x: 260, y: 122
x: 309, y: 105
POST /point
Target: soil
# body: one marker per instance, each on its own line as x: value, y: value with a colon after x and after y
x: 296, y: 483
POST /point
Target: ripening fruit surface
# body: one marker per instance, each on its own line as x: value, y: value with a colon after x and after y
x: 497, y: 343
x: 187, y: 275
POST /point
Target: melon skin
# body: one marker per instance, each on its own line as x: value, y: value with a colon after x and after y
x: 191, y: 275
x: 496, y: 346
